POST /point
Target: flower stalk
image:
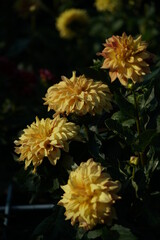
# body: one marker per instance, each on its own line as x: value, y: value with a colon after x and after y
x: 138, y: 125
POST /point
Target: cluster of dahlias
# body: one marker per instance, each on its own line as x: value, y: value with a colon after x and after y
x: 90, y: 192
x: 46, y: 137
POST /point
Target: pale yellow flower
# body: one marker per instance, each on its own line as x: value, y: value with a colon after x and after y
x: 78, y: 95
x: 109, y: 5
x: 45, y: 138
x: 72, y: 22
x: 24, y: 7
x: 126, y: 58
x: 89, y: 196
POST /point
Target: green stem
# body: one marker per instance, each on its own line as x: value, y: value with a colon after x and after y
x: 137, y: 114
x: 133, y: 172
x: 141, y: 154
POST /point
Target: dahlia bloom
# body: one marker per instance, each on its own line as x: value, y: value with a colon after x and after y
x: 78, y: 95
x: 71, y: 22
x: 45, y: 138
x: 126, y: 58
x: 103, y: 5
x: 89, y: 195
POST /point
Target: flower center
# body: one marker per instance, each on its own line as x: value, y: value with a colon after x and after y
x: 124, y: 53
x: 47, y: 145
x: 76, y: 90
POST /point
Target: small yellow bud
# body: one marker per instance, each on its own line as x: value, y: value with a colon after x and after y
x: 130, y: 86
x: 134, y: 160
x: 33, y: 8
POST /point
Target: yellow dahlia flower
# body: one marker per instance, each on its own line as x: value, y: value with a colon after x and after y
x: 89, y: 195
x: 45, y: 138
x: 78, y: 95
x: 103, y: 5
x: 126, y: 58
x: 72, y: 22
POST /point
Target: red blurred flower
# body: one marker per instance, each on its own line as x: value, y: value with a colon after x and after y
x: 46, y: 75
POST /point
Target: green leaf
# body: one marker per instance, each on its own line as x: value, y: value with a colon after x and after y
x: 124, y: 233
x: 152, y: 166
x: 107, y: 234
x: 56, y: 184
x: 96, y: 64
x: 123, y: 132
x: 80, y: 233
x: 94, y: 234
x: 148, y: 100
x: 118, y: 116
x: 135, y: 186
x: 94, y: 145
x: 126, y: 122
x: 158, y: 124
x: 152, y: 75
x: 145, y: 139
x: 125, y: 107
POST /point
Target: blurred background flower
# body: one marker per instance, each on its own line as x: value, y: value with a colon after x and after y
x: 24, y: 7
x: 107, y: 5
x: 72, y: 23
